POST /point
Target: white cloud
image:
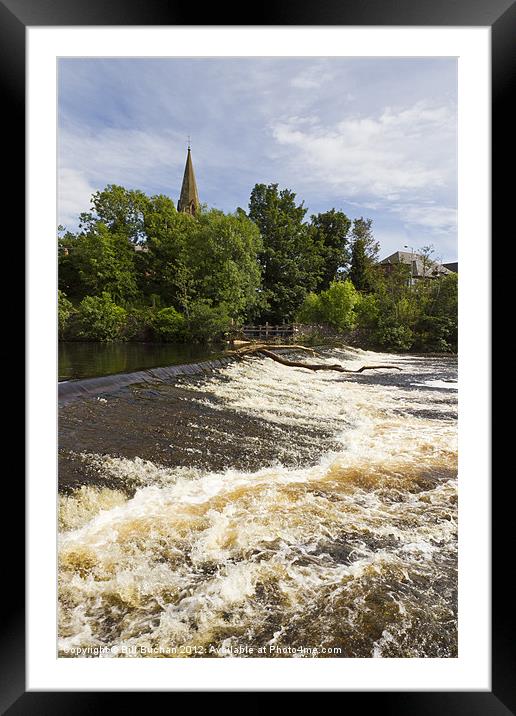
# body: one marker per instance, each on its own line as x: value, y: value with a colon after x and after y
x: 340, y: 132
x: 312, y: 77
x: 117, y: 152
x: 397, y: 160
x: 133, y: 158
x: 437, y: 218
x: 73, y: 197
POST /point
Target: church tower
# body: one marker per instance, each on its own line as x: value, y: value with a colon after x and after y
x: 189, y: 199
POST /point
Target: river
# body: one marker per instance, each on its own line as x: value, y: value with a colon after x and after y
x: 263, y: 511
x: 78, y: 359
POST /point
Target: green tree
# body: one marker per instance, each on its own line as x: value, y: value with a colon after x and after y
x: 100, y: 319
x: 206, y: 322
x: 330, y: 234
x: 69, y: 281
x: 364, y: 256
x: 207, y: 257
x: 395, y: 283
x: 310, y: 311
x: 333, y: 307
x: 139, y: 323
x: 337, y: 305
x: 141, y: 251
x: 222, y: 261
x: 395, y: 337
x: 162, y: 266
x: 367, y: 310
x: 121, y: 210
x: 291, y: 264
x: 394, y: 312
x: 65, y: 310
x: 104, y: 261
x: 446, y: 296
x: 437, y: 325
x: 170, y: 325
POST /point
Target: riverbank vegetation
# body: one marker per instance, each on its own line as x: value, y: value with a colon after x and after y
x: 137, y: 269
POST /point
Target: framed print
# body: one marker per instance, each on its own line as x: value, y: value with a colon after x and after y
x: 251, y: 308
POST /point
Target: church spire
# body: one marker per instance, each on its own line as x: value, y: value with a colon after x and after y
x: 189, y: 199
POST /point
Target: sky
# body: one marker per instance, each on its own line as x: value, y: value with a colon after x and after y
x: 373, y: 137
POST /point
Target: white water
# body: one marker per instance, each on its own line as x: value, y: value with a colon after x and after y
x: 356, y: 553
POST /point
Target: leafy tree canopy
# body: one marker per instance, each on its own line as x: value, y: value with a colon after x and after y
x: 364, y: 255
x: 330, y: 233
x: 139, y: 269
x: 291, y: 263
x: 121, y: 210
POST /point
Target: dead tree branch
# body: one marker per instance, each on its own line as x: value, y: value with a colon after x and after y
x: 256, y: 347
x: 261, y: 349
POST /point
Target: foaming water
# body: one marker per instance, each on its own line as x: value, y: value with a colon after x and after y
x: 353, y: 555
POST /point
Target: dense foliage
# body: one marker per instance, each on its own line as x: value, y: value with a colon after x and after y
x: 174, y: 276
x: 330, y: 232
x: 137, y: 269
x: 393, y: 316
x: 333, y: 307
x: 290, y: 262
x: 364, y: 256
x: 100, y: 319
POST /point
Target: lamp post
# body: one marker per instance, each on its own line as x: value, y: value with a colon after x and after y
x: 411, y: 261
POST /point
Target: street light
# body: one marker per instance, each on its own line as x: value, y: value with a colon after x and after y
x: 411, y: 261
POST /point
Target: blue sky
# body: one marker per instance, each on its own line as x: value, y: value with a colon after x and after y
x: 370, y: 136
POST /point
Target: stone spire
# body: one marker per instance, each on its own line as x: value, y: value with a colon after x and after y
x: 189, y: 199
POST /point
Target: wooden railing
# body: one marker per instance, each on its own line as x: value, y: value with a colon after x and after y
x: 266, y: 331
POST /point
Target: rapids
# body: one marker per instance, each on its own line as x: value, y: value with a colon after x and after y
x: 325, y: 526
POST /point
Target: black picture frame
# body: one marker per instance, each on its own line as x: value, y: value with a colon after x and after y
x: 500, y: 15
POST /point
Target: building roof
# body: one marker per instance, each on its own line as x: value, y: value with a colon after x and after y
x: 453, y: 266
x: 420, y: 267
x: 189, y: 198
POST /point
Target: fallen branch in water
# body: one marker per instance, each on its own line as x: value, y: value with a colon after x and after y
x: 268, y: 353
x: 257, y: 347
x: 320, y: 366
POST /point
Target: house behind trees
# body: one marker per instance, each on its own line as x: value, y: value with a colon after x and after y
x: 419, y: 266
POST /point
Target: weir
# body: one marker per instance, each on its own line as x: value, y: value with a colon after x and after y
x: 88, y: 387
x: 260, y: 511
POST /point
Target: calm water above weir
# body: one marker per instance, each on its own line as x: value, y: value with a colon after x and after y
x: 88, y: 360
x: 263, y: 507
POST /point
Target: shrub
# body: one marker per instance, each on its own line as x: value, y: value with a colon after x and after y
x: 395, y: 337
x: 169, y: 325
x: 65, y: 310
x: 437, y: 333
x: 333, y: 307
x: 367, y: 311
x: 100, y: 319
x: 207, y: 323
x: 139, y: 324
x: 310, y: 311
x: 337, y: 304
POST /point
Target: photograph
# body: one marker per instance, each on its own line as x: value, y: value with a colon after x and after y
x: 257, y: 316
